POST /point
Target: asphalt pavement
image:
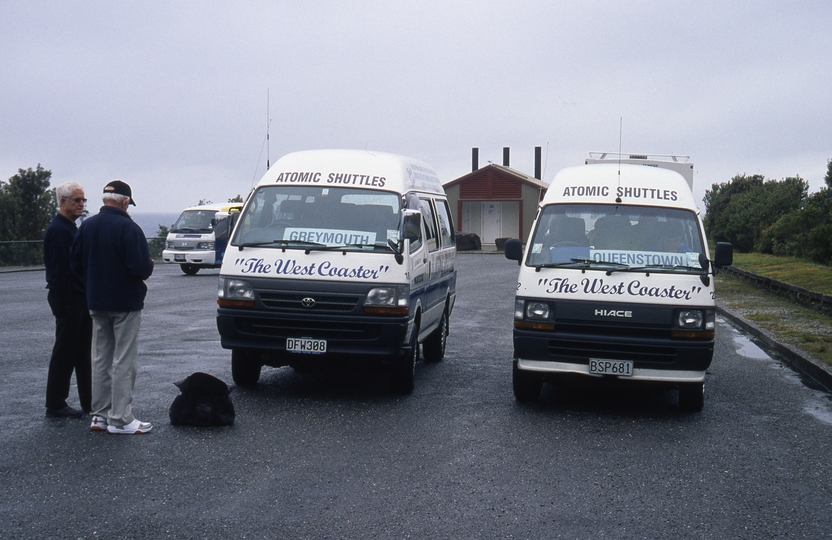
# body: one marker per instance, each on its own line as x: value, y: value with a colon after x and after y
x: 340, y: 456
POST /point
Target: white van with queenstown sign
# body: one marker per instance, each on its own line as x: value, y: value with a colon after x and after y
x: 199, y: 236
x: 615, y: 281
x: 339, y: 257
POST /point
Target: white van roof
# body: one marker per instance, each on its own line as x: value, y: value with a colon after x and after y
x: 633, y: 184
x: 225, y: 207
x: 354, y: 168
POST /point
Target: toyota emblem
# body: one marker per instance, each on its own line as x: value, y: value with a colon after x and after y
x: 308, y: 302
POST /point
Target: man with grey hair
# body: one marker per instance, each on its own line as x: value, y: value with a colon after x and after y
x: 111, y: 256
x: 73, y: 326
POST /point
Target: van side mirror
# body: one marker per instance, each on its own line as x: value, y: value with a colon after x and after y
x: 514, y: 250
x: 412, y: 225
x: 724, y: 255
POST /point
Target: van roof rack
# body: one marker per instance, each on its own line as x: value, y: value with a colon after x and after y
x: 658, y: 157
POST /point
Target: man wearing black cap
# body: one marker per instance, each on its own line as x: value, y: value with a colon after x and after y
x: 111, y: 257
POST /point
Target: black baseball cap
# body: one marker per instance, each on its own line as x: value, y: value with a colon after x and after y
x: 120, y: 188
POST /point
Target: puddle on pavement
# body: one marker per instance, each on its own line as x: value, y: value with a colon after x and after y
x: 819, y: 402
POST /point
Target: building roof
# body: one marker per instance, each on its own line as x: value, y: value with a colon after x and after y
x: 502, y: 171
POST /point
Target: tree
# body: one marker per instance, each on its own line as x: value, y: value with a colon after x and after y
x: 828, y: 178
x: 238, y: 198
x: 804, y: 233
x: 157, y: 244
x: 27, y: 205
x: 718, y: 198
x: 739, y: 212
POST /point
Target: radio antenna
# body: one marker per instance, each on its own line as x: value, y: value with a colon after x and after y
x: 268, y: 124
x: 620, y: 135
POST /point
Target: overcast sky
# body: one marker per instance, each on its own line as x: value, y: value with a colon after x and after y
x: 172, y: 96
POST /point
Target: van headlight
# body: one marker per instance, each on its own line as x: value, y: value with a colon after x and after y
x: 388, y: 300
x: 235, y: 292
x: 205, y: 245
x: 533, y: 315
x: 694, y: 324
x: 537, y: 311
x: 690, y: 319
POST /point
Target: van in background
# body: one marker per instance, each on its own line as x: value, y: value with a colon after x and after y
x: 199, y: 236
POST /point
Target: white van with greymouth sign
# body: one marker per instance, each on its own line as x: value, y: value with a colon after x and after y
x: 339, y: 257
x: 615, y: 281
x: 199, y: 236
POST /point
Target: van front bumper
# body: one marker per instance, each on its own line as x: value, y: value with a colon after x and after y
x: 654, y: 359
x: 196, y: 257
x: 345, y: 335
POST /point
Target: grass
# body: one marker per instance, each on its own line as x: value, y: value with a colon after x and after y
x: 793, y: 323
x: 797, y: 272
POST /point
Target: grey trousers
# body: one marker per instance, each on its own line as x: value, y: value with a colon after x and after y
x: 115, y: 351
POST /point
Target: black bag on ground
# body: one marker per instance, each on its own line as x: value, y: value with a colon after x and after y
x: 204, y: 401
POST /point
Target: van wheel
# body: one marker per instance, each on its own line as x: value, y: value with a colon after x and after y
x: 433, y: 349
x: 692, y: 396
x: 245, y: 368
x: 527, y: 384
x: 404, y: 368
x: 189, y: 269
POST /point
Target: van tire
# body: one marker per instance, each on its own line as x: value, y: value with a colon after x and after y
x: 245, y: 368
x: 404, y: 368
x: 692, y: 396
x: 433, y: 349
x: 527, y: 384
x: 189, y: 269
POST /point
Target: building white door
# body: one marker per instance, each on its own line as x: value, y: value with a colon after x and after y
x: 491, y: 219
x: 500, y: 219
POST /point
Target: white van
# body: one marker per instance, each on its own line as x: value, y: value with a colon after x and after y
x: 199, y: 237
x: 615, y: 281
x: 339, y: 257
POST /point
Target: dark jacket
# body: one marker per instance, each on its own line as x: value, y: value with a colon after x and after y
x: 111, y: 256
x: 56, y: 245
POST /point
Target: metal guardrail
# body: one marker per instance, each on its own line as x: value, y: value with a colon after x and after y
x: 30, y: 252
x: 817, y: 301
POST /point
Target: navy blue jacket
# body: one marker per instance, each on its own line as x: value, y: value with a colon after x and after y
x: 56, y: 245
x: 111, y: 257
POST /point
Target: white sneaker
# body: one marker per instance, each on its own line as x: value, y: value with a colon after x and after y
x: 99, y: 423
x: 134, y: 427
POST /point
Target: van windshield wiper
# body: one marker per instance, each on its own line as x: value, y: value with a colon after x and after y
x: 649, y: 267
x: 584, y: 263
x: 189, y: 230
x: 301, y: 244
x: 376, y: 245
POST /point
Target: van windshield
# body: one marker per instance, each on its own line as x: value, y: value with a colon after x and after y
x: 319, y: 217
x: 617, y: 236
x: 195, y: 221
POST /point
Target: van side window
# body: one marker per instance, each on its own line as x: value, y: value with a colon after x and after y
x: 446, y: 226
x: 416, y: 245
x: 430, y: 225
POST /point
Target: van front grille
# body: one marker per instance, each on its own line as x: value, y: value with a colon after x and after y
x: 319, y: 303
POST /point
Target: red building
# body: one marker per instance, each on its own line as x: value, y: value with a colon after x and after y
x: 496, y: 201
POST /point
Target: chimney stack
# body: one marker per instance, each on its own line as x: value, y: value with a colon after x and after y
x: 505, y: 156
x: 475, y: 159
x: 537, y: 162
